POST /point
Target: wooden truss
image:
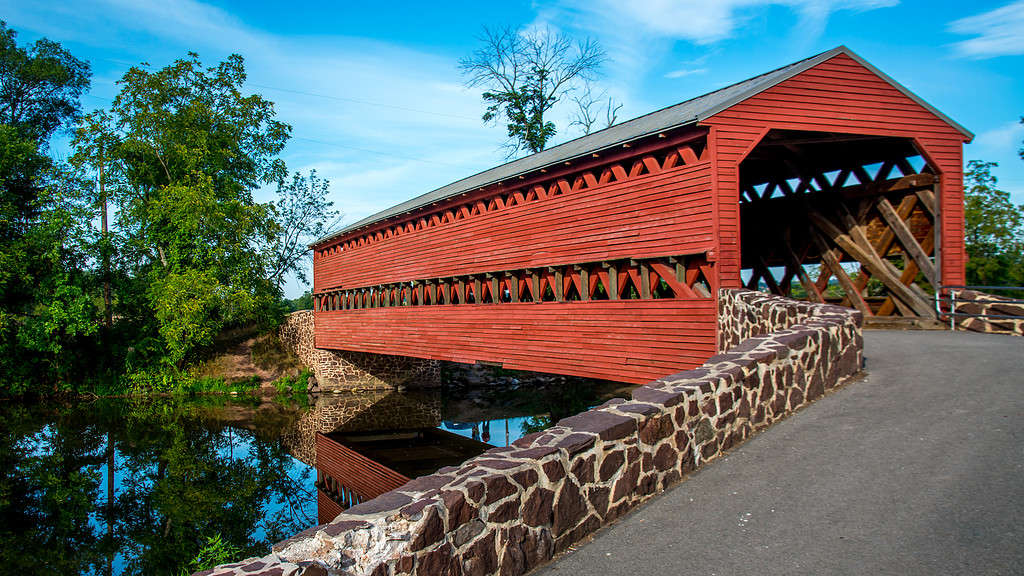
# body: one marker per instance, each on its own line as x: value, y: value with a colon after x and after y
x: 884, y: 223
x: 688, y: 276
x: 627, y: 165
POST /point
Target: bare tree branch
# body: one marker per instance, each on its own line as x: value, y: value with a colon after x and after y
x: 524, y: 73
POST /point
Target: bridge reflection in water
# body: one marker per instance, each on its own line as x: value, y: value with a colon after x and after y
x: 364, y: 444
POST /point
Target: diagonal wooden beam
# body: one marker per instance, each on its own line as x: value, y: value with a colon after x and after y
x: 755, y: 277
x: 830, y: 260
x: 856, y: 245
x: 909, y: 273
x: 680, y: 289
x: 906, y: 238
x: 927, y: 198
x: 766, y: 273
x: 793, y: 261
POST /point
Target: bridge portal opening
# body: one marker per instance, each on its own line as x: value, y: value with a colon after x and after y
x: 841, y: 218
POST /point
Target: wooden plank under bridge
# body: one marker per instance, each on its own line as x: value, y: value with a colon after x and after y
x: 603, y: 256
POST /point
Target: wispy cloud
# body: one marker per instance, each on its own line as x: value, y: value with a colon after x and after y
x: 683, y: 72
x: 1003, y: 141
x: 640, y: 34
x: 999, y: 32
x: 706, y: 21
x: 1001, y: 145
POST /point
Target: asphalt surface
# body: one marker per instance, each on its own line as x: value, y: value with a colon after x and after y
x: 918, y: 468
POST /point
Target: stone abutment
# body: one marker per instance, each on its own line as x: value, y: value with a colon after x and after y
x: 346, y: 370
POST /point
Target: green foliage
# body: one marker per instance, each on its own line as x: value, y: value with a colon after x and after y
x: 181, y: 151
x: 189, y: 492
x: 297, y: 384
x: 46, y: 306
x: 184, y: 149
x: 304, y: 302
x: 302, y: 214
x: 169, y: 380
x: 214, y: 553
x: 39, y: 86
x: 994, y: 233
x: 186, y: 307
x: 151, y: 381
x: 524, y: 74
x: 175, y: 160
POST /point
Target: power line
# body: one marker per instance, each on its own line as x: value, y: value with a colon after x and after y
x: 361, y: 101
x: 326, y: 96
x: 378, y: 152
x: 346, y: 146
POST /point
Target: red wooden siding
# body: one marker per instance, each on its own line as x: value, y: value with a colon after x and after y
x: 626, y: 340
x: 839, y: 95
x: 368, y: 479
x: 661, y: 214
x: 326, y: 509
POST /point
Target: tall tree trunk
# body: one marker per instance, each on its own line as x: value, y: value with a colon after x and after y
x: 108, y: 316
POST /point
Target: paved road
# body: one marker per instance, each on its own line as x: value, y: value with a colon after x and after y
x: 916, y: 469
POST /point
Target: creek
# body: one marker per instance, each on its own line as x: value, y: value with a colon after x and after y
x: 139, y: 486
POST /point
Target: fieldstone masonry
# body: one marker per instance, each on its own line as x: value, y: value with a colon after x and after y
x: 511, y: 509
x: 345, y: 370
x: 744, y: 314
x: 982, y: 303
x: 358, y: 411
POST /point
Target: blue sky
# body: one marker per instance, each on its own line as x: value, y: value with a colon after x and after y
x: 377, y: 104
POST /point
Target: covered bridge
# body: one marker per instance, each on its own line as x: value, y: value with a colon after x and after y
x: 603, y: 256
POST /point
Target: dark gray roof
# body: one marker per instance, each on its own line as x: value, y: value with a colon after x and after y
x: 683, y: 114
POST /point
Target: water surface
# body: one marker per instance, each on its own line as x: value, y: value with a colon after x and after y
x: 138, y: 486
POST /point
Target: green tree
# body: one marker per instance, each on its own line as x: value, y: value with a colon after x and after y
x: 304, y: 302
x: 524, y: 73
x: 994, y: 235
x: 39, y: 86
x: 182, y: 150
x: 303, y: 214
x: 45, y: 290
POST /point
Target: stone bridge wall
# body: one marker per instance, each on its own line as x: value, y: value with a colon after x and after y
x: 511, y: 509
x: 982, y: 303
x: 744, y: 314
x: 345, y: 370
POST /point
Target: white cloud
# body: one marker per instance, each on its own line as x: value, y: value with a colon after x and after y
x: 1006, y: 138
x: 639, y: 34
x: 683, y: 72
x: 706, y: 21
x: 999, y: 32
x: 1001, y: 145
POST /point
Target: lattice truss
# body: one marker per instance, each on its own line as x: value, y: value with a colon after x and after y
x: 648, y: 159
x: 628, y: 279
x: 879, y: 215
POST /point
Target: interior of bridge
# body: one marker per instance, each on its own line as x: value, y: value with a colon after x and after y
x: 841, y: 218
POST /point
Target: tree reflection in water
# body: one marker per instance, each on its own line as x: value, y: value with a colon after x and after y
x: 182, y: 473
x: 140, y: 486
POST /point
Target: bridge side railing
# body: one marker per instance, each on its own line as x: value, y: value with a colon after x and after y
x: 950, y: 301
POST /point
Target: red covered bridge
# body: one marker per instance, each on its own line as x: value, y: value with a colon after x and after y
x: 603, y: 256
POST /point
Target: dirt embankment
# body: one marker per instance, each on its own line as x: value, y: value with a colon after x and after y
x: 244, y: 353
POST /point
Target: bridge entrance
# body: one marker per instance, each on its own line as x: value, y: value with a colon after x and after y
x: 842, y: 218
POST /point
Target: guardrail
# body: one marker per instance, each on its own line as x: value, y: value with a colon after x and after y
x: 946, y: 302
